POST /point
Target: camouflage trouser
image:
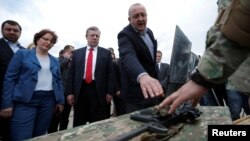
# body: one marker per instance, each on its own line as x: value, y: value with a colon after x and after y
x: 222, y: 56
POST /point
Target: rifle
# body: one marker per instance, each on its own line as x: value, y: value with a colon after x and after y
x: 157, y: 120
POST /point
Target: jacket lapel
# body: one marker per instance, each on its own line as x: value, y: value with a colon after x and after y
x: 33, y: 59
x: 82, y: 56
x: 144, y: 46
x: 53, y: 65
x: 6, y: 47
x: 154, y: 43
x: 98, y: 58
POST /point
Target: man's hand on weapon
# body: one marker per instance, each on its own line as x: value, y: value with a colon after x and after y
x: 189, y: 91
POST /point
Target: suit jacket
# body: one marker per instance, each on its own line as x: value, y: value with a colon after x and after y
x: 163, y: 75
x: 6, y: 54
x: 104, y: 74
x: 65, y: 64
x: 135, y: 58
x: 22, y: 76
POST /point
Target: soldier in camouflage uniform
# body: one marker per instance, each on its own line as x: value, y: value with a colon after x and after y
x: 238, y: 90
x: 228, y: 47
x: 238, y: 86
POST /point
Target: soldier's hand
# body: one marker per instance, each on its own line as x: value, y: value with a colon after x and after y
x: 150, y: 87
x: 189, y: 91
x: 6, y: 113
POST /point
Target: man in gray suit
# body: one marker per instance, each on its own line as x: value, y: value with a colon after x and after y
x: 91, y: 97
x: 164, y: 69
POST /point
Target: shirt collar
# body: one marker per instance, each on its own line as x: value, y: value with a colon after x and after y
x: 14, y: 46
x: 94, y: 48
x: 9, y: 42
x: 141, y: 33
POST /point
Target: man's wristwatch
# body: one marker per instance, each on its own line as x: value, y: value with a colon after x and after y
x: 200, y: 80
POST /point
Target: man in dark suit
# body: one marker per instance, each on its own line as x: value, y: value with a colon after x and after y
x: 62, y: 119
x: 91, y: 98
x: 137, y: 50
x: 119, y: 104
x: 164, y: 69
x: 11, y: 31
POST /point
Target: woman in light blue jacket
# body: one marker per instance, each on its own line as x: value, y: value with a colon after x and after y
x: 32, y: 88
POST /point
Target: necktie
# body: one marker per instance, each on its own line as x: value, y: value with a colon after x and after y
x: 88, y: 78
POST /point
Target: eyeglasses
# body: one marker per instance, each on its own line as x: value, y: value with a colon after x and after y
x: 48, y: 40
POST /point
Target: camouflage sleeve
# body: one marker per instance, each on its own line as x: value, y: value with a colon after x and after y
x: 221, y: 58
x: 245, y: 3
x: 240, y: 81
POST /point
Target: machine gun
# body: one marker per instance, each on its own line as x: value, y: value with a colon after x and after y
x: 158, y: 120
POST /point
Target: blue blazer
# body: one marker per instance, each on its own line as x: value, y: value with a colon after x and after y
x: 22, y: 75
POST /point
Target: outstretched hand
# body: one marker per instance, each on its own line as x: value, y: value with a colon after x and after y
x: 150, y: 87
x: 189, y: 91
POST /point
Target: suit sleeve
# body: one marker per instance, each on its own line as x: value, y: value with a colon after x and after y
x: 63, y: 62
x: 10, y: 79
x: 111, y: 76
x: 128, y: 57
x: 70, y: 78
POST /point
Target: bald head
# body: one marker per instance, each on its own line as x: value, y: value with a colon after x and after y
x: 138, y: 17
x: 133, y: 7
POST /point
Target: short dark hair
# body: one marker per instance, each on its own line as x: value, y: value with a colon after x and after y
x: 38, y: 35
x: 67, y: 47
x: 61, y: 52
x: 94, y: 28
x: 11, y: 22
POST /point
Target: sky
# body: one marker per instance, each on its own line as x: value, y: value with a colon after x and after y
x: 70, y: 19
